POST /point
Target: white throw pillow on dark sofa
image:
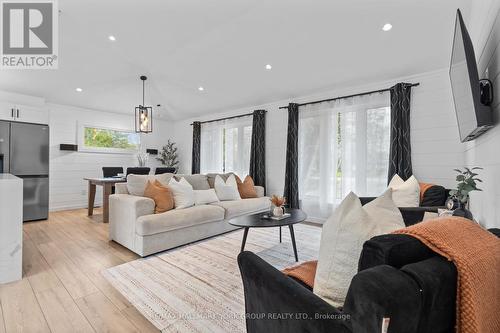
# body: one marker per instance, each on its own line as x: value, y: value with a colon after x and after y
x: 405, y: 193
x: 226, y: 190
x: 342, y: 239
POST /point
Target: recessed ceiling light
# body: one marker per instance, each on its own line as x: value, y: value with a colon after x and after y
x: 112, y: 38
x: 387, y: 27
x: 79, y: 89
x: 268, y: 67
x: 201, y: 88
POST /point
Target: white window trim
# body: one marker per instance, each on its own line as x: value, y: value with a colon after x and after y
x: 81, y: 141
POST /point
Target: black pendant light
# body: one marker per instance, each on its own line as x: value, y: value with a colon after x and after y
x: 143, y: 114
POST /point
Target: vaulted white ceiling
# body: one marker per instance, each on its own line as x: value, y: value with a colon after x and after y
x: 223, y: 45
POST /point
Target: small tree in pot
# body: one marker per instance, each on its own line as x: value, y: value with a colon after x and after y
x: 168, y: 155
x: 467, y: 182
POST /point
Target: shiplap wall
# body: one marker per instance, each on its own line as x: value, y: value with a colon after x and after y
x: 484, y: 27
x: 67, y: 169
x: 436, y: 148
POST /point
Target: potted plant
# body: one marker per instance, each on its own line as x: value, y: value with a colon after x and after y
x: 168, y: 155
x: 467, y: 182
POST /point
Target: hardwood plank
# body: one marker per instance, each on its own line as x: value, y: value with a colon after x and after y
x: 103, y: 315
x: 36, y: 269
x: 20, y: 308
x: 63, y: 289
x: 138, y: 320
x: 75, y: 281
x: 91, y: 261
x: 37, y: 235
x: 61, y: 312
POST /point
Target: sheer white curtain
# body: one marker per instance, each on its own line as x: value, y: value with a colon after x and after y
x: 343, y: 147
x: 225, y: 146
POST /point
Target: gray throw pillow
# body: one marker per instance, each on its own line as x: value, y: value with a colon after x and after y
x: 211, y: 177
x: 198, y: 182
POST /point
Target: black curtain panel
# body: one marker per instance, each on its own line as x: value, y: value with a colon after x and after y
x: 291, y: 192
x: 195, y: 157
x: 258, y: 148
x: 400, y: 149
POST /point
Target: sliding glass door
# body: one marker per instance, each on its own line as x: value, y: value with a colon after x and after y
x: 343, y: 147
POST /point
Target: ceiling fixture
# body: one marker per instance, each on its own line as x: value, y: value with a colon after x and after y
x: 112, y: 38
x: 269, y: 67
x: 143, y: 114
x: 201, y: 88
x: 79, y: 89
x: 387, y: 27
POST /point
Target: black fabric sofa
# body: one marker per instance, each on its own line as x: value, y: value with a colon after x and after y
x: 398, y: 278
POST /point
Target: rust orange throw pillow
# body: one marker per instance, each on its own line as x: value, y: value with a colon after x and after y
x: 246, y: 188
x: 424, y: 187
x: 163, y: 197
x: 304, y: 272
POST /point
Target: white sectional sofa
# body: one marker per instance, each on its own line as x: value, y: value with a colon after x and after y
x: 134, y: 224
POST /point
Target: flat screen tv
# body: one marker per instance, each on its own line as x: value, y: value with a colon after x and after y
x: 472, y: 96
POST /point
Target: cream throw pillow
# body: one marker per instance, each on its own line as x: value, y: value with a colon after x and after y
x: 226, y: 190
x: 136, y: 184
x: 203, y: 197
x: 342, y: 239
x: 183, y: 193
x: 405, y: 193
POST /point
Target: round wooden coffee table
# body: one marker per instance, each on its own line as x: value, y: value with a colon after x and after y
x: 256, y: 221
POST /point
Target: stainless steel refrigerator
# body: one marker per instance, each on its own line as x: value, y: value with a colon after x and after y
x: 24, y: 152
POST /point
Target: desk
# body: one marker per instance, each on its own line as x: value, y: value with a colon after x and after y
x: 107, y: 185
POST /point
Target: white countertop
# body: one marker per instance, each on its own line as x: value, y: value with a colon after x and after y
x: 8, y: 176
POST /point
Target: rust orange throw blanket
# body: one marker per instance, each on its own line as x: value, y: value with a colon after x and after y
x: 476, y: 255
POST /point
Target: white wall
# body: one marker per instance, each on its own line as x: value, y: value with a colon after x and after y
x: 484, y: 28
x: 67, y: 169
x: 436, y: 148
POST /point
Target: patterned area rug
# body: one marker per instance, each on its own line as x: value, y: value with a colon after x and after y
x: 198, y: 288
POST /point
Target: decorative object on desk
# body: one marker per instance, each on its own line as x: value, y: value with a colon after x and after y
x: 278, y: 203
x: 143, y: 114
x: 467, y: 182
x: 168, y: 155
x: 142, y: 158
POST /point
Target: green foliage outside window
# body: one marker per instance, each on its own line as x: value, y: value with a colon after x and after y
x: 108, y: 138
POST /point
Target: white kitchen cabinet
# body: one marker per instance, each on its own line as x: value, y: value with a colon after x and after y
x: 6, y: 111
x: 24, y: 113
x: 30, y: 114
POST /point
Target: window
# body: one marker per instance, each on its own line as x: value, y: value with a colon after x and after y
x: 101, y: 139
x: 343, y: 147
x: 225, y: 146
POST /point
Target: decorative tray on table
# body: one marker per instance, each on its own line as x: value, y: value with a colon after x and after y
x: 277, y: 218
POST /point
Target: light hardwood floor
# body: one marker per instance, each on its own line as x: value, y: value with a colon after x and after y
x: 62, y: 289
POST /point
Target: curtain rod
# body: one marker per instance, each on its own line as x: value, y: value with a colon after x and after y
x: 226, y: 118
x: 349, y: 96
